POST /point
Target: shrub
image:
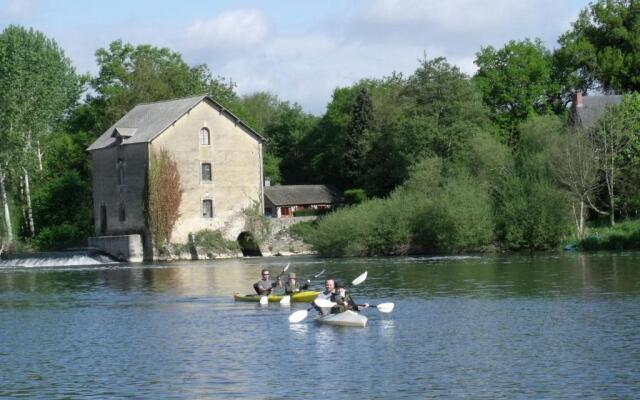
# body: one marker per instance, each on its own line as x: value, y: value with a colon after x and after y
x: 354, y: 196
x: 530, y: 213
x: 57, y: 237
x: 213, y: 241
x: 311, y: 212
x: 303, y: 230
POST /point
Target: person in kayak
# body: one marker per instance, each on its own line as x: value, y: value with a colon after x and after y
x: 265, y: 285
x: 343, y: 300
x: 329, y: 286
x: 292, y: 286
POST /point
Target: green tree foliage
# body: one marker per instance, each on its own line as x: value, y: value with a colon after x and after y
x: 531, y: 211
x: 286, y: 132
x: 38, y: 86
x: 617, y: 145
x: 260, y: 108
x: 62, y: 206
x: 129, y: 75
x: 362, y: 121
x: 431, y: 212
x: 601, y: 48
x: 517, y: 82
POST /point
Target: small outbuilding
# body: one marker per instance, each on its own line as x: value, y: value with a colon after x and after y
x: 285, y: 201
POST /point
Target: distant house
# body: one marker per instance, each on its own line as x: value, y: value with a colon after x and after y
x: 219, y: 159
x: 587, y: 110
x: 284, y: 200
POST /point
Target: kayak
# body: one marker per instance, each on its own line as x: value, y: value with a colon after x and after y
x: 301, y: 297
x: 347, y: 318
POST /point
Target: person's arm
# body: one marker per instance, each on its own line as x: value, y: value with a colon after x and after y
x: 306, y: 285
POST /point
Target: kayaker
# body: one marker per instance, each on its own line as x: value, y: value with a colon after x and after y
x: 329, y: 286
x: 293, y: 286
x: 265, y: 285
x: 343, y: 300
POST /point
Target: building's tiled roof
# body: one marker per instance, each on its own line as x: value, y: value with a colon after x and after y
x: 593, y: 107
x: 146, y: 121
x: 289, y: 195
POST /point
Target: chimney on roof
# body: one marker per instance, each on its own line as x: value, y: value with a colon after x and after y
x: 577, y: 98
x: 267, y: 181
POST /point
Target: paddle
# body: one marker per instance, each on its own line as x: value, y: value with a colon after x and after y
x: 286, y: 300
x: 382, y: 307
x: 322, y: 303
x: 265, y: 299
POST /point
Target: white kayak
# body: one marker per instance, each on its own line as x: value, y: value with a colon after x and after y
x: 347, y: 318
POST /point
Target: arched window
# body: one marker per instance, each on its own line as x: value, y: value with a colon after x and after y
x: 205, y: 137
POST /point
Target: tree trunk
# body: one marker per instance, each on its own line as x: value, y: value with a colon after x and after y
x: 7, y: 213
x: 32, y: 228
x: 39, y: 153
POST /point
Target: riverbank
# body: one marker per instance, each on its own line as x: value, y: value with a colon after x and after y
x: 622, y: 236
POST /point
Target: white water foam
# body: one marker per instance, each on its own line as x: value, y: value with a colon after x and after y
x: 59, y: 259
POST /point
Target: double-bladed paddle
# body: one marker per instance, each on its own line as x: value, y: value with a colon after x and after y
x: 302, y: 314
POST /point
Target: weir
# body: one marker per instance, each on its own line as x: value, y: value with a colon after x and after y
x: 58, y: 259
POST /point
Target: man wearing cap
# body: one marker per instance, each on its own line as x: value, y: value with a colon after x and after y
x: 264, y: 286
x: 343, y: 300
x: 293, y: 286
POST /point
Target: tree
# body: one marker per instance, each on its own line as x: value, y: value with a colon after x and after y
x: 575, y: 168
x: 130, y: 75
x: 355, y: 147
x: 38, y: 86
x: 615, y: 137
x: 261, y: 108
x: 164, y: 197
x: 517, y: 82
x: 601, y: 49
x: 285, y: 133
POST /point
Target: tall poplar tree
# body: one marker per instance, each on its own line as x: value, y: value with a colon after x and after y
x: 355, y: 146
x: 37, y: 86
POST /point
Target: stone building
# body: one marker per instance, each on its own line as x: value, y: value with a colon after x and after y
x: 219, y: 159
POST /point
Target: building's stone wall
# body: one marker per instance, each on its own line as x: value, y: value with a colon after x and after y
x: 280, y: 242
x: 236, y: 159
x: 108, y: 193
x: 123, y: 247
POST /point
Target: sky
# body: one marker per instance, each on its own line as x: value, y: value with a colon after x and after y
x: 299, y: 50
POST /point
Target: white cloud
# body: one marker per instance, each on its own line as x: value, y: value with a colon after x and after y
x: 305, y: 64
x: 236, y: 28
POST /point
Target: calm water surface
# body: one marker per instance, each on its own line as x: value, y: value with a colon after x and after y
x: 552, y: 327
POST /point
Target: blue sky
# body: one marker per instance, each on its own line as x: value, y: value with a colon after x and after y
x: 299, y: 50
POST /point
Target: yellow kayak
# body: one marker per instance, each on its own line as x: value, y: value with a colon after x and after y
x: 301, y: 297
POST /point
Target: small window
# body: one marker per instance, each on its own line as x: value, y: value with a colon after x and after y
x: 122, y: 214
x: 120, y: 167
x: 207, y: 208
x: 206, y: 172
x: 205, y: 139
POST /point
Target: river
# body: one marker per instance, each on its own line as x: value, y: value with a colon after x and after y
x: 548, y: 326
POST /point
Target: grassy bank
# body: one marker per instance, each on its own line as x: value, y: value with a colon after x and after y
x: 622, y: 236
